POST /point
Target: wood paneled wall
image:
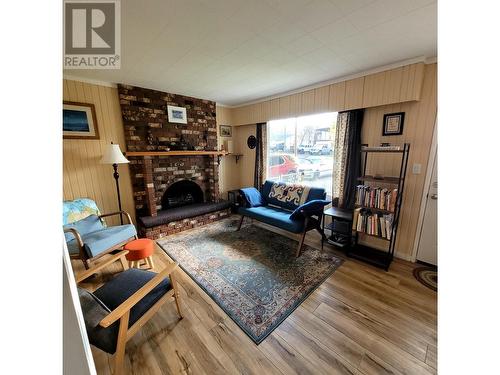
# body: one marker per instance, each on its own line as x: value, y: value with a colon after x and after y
x: 83, y: 176
x: 228, y: 171
x: 420, y: 119
x: 234, y: 175
x: 391, y: 86
x: 411, y: 89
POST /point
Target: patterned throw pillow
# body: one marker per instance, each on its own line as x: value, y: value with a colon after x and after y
x: 78, y: 209
x: 289, y: 196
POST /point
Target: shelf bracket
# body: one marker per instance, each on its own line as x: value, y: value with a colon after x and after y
x: 237, y: 158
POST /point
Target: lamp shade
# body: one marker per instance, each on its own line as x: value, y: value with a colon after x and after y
x: 113, y: 155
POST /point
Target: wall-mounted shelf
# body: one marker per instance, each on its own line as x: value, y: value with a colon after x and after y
x: 237, y: 156
x: 176, y: 153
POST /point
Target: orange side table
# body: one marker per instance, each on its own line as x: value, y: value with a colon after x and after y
x: 140, y: 249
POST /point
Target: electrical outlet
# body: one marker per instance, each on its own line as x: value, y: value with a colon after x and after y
x: 417, y: 168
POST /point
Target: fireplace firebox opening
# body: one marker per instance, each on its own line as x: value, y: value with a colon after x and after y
x: 181, y: 193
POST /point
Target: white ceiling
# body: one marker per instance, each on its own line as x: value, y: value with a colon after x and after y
x: 236, y: 51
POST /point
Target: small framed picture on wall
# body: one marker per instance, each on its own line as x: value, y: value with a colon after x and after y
x: 393, y: 123
x: 226, y: 131
x: 177, y: 114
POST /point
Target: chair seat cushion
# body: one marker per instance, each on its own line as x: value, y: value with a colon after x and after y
x: 273, y: 216
x: 99, y: 241
x: 114, y: 293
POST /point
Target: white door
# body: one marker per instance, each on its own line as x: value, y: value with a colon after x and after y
x: 427, y: 246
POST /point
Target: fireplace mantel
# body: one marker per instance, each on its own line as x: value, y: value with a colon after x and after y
x: 176, y: 153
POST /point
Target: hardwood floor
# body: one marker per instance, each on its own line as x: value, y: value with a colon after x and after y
x: 361, y: 320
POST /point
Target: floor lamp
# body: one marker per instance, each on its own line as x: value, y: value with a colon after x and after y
x: 113, y: 155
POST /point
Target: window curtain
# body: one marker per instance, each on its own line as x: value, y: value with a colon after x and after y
x: 260, y: 155
x: 347, y: 157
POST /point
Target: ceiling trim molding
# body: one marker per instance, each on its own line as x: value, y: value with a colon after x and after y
x: 431, y: 60
x: 89, y: 80
x: 426, y: 60
x: 379, y: 69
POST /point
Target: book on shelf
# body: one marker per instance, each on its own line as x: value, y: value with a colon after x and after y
x: 372, y: 223
x: 376, y: 197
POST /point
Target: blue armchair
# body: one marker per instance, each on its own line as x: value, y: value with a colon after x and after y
x: 86, y: 233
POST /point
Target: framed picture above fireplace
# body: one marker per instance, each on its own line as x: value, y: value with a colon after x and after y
x: 177, y: 114
x: 79, y: 121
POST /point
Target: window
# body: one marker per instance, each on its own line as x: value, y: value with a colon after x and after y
x: 300, y: 150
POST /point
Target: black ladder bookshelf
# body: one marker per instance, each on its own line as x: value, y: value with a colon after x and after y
x: 366, y: 253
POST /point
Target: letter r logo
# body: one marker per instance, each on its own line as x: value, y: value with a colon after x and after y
x: 89, y: 28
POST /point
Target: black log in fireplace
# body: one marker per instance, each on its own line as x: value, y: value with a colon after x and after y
x: 181, y: 193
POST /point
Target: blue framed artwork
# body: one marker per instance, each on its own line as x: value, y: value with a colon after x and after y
x: 79, y: 121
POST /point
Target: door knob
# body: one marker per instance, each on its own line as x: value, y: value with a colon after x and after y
x: 434, y: 196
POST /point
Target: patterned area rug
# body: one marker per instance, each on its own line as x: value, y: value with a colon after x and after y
x: 252, y: 274
x: 427, y: 276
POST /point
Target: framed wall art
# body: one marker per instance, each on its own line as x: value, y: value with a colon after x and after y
x: 226, y: 131
x: 79, y: 121
x: 393, y: 123
x: 177, y: 114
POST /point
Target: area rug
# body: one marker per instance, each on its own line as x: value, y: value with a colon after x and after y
x: 427, y: 276
x: 252, y: 274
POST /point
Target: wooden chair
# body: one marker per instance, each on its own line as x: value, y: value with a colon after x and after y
x: 118, y: 309
x: 87, y: 236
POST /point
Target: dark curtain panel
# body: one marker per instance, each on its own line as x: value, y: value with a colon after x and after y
x: 347, y: 157
x: 260, y: 156
x: 353, y: 158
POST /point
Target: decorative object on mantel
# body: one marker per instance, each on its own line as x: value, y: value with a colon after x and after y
x: 393, y: 123
x: 252, y: 142
x: 181, y: 145
x: 79, y: 121
x: 152, y: 141
x: 113, y: 155
x: 226, y: 131
x: 177, y: 114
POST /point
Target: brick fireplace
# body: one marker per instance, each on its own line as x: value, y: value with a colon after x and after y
x: 147, y: 130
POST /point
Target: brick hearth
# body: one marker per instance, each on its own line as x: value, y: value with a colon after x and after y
x: 178, y: 226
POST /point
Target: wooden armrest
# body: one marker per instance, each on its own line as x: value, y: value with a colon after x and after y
x: 117, y: 213
x: 117, y: 313
x: 76, y: 234
x: 87, y: 273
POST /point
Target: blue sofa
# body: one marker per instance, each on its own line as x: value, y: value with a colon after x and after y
x: 294, y: 208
